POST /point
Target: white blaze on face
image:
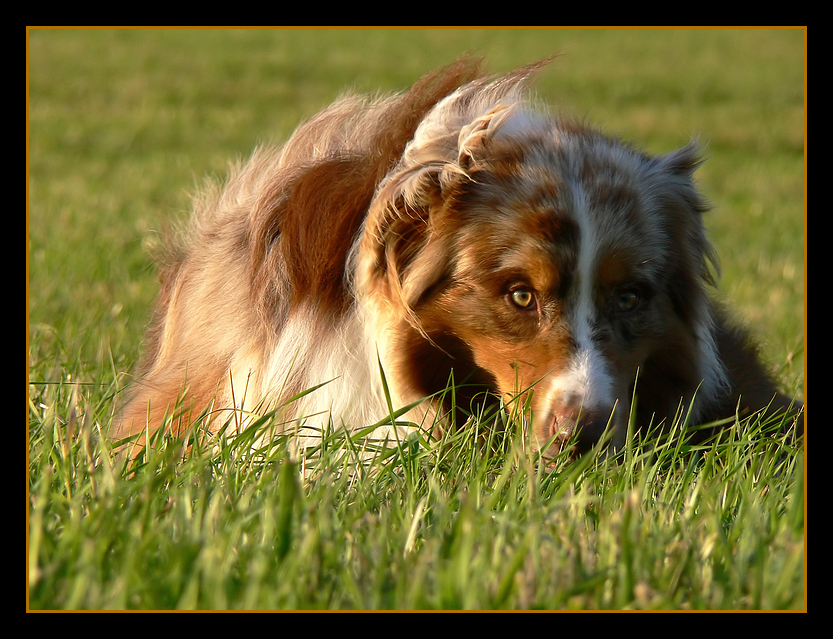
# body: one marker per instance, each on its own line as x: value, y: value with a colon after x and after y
x: 586, y: 383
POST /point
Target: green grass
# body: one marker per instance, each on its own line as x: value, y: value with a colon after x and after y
x: 423, y: 525
x: 123, y: 123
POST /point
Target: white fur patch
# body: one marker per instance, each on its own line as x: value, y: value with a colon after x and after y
x: 587, y: 382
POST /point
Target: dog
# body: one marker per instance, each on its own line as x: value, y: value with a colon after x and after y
x: 455, y: 236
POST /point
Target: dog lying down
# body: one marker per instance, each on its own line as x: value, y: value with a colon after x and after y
x: 453, y: 232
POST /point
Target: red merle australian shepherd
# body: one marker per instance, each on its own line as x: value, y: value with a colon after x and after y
x: 453, y: 232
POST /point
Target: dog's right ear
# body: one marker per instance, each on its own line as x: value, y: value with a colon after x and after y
x: 403, y: 252
x: 409, y: 226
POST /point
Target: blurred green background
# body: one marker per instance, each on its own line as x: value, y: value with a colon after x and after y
x: 122, y: 124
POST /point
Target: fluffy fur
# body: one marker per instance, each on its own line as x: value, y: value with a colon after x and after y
x: 454, y: 232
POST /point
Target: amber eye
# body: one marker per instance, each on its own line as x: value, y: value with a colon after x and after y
x: 628, y: 301
x: 523, y: 298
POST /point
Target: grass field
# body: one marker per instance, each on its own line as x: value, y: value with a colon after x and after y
x: 123, y: 123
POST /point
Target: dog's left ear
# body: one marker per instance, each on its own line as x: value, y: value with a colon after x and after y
x: 683, y: 162
x: 682, y: 206
x: 675, y: 179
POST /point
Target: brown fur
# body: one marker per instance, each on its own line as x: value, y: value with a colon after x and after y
x: 451, y: 232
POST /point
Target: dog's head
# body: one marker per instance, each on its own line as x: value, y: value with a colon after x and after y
x: 543, y: 259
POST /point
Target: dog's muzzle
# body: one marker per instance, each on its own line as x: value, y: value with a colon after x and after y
x: 578, y: 430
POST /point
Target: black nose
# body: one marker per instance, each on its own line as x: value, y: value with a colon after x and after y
x: 591, y: 427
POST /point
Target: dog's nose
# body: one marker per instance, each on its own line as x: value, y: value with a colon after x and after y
x: 575, y: 423
x: 591, y: 426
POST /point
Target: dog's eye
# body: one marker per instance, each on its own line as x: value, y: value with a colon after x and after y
x: 627, y: 301
x: 523, y: 298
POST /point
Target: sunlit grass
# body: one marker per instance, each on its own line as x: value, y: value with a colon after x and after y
x: 468, y: 522
x: 122, y: 124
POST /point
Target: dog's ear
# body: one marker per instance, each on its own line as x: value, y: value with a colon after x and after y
x: 475, y: 136
x: 407, y: 233
x: 683, y: 205
x: 692, y: 263
x: 402, y: 253
x: 406, y: 237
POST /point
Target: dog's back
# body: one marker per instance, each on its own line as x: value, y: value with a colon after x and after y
x: 266, y: 251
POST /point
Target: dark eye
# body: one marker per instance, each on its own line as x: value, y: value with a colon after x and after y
x: 523, y: 298
x: 627, y: 301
